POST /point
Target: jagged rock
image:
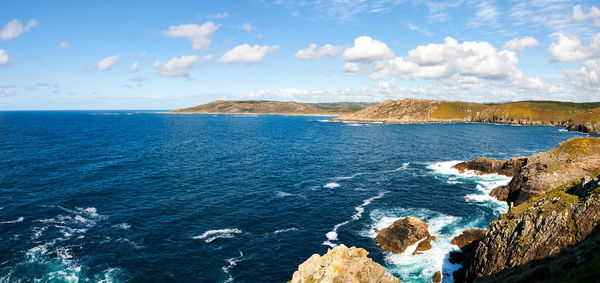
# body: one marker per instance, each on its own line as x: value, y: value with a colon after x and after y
x: 401, y: 234
x: 538, y: 228
x: 424, y: 245
x: 493, y: 166
x: 467, y: 237
x: 342, y: 264
x: 570, y: 162
x: 500, y: 193
x: 437, y: 277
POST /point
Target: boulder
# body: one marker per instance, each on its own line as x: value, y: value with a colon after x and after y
x: 401, y: 234
x: 437, y: 277
x: 467, y: 237
x: 500, y: 193
x: 342, y: 264
x: 424, y: 245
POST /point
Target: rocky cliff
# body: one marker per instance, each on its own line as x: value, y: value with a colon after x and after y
x: 342, y: 264
x: 557, y: 197
x: 574, y: 116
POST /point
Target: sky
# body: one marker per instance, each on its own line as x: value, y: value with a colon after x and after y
x: 136, y: 54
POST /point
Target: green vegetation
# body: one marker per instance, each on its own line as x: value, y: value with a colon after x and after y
x: 274, y: 107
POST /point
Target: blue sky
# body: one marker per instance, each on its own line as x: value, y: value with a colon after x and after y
x: 171, y: 54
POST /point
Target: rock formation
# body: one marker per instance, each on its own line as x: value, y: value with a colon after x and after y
x: 402, y: 233
x: 467, y: 237
x: 492, y: 166
x: 558, y: 205
x: 342, y: 264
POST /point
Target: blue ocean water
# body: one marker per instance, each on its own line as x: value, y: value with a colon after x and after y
x: 123, y: 196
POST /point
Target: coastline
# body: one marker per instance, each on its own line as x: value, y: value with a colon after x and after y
x: 261, y: 114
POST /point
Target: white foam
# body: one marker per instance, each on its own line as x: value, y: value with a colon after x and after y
x: 420, y: 267
x: 331, y: 185
x: 332, y: 235
x: 20, y: 219
x: 283, y: 194
x: 485, y: 183
x: 231, y: 263
x: 286, y: 230
x: 356, y: 124
x: 403, y: 167
x: 123, y: 226
x: 212, y: 235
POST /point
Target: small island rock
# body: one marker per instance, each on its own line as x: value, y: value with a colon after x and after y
x: 401, y: 234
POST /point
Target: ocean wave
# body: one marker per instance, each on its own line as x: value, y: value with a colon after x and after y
x: 421, y: 267
x: 212, y: 235
x: 331, y: 185
x: 282, y: 194
x: 485, y: 183
x: 356, y: 124
x: 123, y: 226
x: 332, y: 236
x: 232, y: 262
x: 404, y: 166
x: 20, y: 219
x: 286, y: 230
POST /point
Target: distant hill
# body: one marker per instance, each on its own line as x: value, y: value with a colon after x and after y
x: 574, y: 116
x: 274, y: 107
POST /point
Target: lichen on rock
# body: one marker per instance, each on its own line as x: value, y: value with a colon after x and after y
x: 342, y: 264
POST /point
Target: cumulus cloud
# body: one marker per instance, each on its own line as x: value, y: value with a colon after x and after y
x: 177, y: 67
x: 199, y: 35
x: 519, y: 44
x: 579, y: 15
x: 135, y: 66
x: 367, y: 49
x: 106, y: 63
x: 351, y: 67
x: 3, y: 57
x: 587, y: 77
x: 570, y: 48
x: 15, y: 28
x: 312, y: 52
x: 64, y: 44
x: 247, y: 54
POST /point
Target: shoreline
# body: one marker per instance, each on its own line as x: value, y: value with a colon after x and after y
x: 261, y: 114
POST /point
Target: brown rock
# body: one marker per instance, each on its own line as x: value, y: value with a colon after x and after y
x: 424, y: 245
x: 401, y: 234
x: 437, y: 277
x: 500, y: 193
x: 467, y: 237
x: 493, y: 166
x: 342, y: 264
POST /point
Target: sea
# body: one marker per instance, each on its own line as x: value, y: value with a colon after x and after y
x: 130, y: 196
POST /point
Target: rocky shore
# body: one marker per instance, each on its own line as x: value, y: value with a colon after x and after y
x: 550, y: 233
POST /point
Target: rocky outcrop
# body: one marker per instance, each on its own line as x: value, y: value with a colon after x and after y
x: 500, y: 193
x: 342, y: 264
x: 437, y: 277
x: 536, y: 229
x: 492, y: 166
x: 273, y: 107
x: 424, y: 245
x: 570, y: 162
x: 401, y: 234
x: 467, y: 237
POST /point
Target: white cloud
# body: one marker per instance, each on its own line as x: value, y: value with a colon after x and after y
x: 312, y: 52
x: 486, y: 14
x: 519, y: 44
x: 200, y: 35
x: 248, y: 27
x: 64, y: 44
x: 570, y: 48
x: 587, y: 77
x: 579, y: 15
x: 15, y: 28
x: 416, y: 28
x: 247, y: 54
x: 339, y: 10
x: 219, y: 15
x: 3, y: 57
x: 134, y: 67
x: 177, y: 67
x: 351, y: 67
x: 106, y: 63
x: 366, y: 49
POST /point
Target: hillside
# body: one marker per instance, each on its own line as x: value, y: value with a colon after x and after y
x: 274, y: 107
x: 574, y: 116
